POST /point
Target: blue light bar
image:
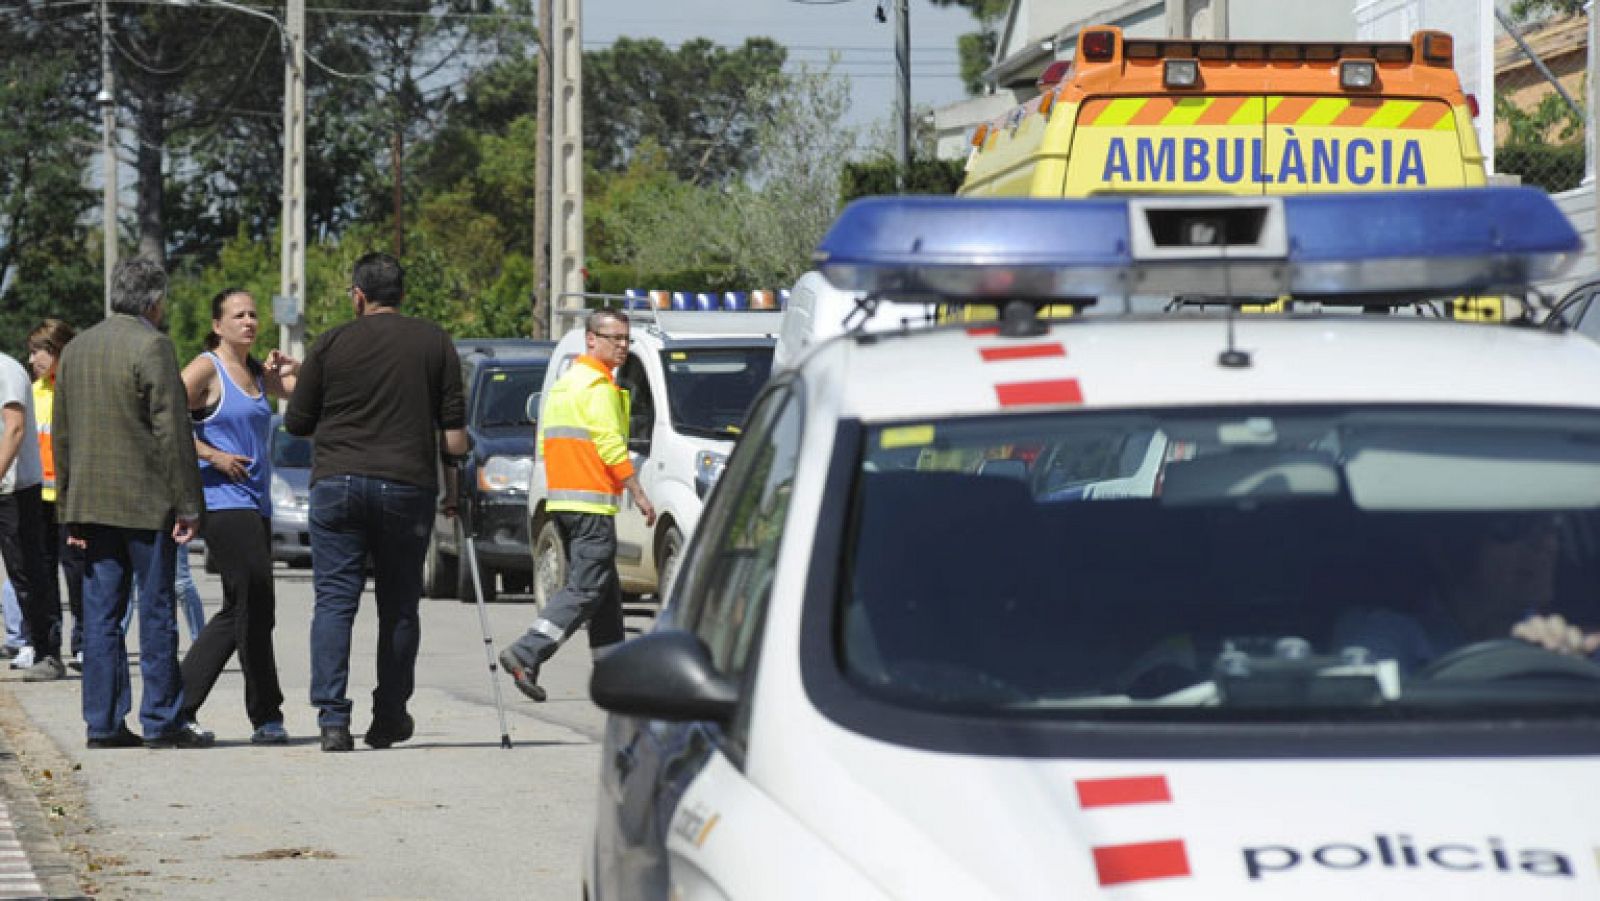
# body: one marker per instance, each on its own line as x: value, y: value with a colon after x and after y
x: 1470, y: 239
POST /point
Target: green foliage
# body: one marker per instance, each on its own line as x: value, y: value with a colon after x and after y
x: 1553, y: 167
x: 695, y: 102
x: 1551, y: 119
x: 878, y: 176
x: 977, y: 47
x: 47, y: 267
x: 1523, y: 10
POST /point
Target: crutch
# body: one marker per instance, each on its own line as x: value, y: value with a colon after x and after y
x: 470, y: 559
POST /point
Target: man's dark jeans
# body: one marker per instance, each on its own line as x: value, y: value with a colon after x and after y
x: 352, y: 517
x: 593, y: 593
x: 22, y: 546
x: 117, y: 560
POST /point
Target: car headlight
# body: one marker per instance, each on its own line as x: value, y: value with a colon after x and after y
x: 283, y: 493
x: 505, y: 474
x: 708, y: 466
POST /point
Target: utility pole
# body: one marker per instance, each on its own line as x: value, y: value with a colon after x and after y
x: 566, y: 163
x: 108, y: 148
x: 542, y: 299
x: 1591, y: 120
x: 902, y: 97
x: 291, y: 318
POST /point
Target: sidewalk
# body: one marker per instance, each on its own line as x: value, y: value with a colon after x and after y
x: 448, y: 814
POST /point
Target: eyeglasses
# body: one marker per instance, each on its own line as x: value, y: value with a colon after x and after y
x: 618, y: 339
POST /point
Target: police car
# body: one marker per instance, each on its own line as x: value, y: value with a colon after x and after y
x: 1176, y: 605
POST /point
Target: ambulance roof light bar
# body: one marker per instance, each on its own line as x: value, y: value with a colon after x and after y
x: 1395, y: 243
x: 1434, y: 48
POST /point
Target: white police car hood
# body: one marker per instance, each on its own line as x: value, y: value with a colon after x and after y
x: 923, y: 825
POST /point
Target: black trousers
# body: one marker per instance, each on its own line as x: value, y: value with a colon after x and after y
x: 22, y: 547
x: 60, y: 557
x: 240, y: 543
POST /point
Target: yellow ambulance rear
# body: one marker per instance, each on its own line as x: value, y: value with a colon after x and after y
x: 1167, y: 116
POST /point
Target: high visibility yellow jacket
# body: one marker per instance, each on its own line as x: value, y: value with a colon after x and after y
x: 583, y: 439
x: 44, y: 414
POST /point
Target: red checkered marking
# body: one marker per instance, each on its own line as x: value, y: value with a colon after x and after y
x: 1022, y: 352
x: 1050, y: 391
x: 1118, y: 864
x: 1123, y: 790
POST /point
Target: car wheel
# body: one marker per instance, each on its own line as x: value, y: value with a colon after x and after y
x: 438, y: 571
x: 464, y: 589
x: 669, y: 559
x: 549, y: 564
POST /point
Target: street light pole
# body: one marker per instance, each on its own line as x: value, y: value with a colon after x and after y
x: 108, y: 150
x: 902, y: 59
x: 291, y: 328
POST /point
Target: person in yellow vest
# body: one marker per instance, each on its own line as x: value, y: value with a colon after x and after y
x: 45, y: 343
x: 583, y: 439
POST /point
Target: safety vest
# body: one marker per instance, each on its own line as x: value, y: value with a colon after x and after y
x: 583, y: 439
x: 44, y: 406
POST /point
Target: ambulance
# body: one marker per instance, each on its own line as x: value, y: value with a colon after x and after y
x: 1178, y: 116
x: 1170, y: 606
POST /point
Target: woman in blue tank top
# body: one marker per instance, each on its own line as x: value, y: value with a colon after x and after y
x: 229, y: 393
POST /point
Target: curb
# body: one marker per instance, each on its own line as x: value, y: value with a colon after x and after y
x: 32, y: 864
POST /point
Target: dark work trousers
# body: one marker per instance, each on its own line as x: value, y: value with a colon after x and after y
x: 240, y: 543
x: 59, y: 556
x: 593, y: 593
x: 22, y: 548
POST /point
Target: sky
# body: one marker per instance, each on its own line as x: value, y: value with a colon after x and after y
x: 810, y: 30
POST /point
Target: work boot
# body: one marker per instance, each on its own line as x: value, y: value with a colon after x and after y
x: 48, y: 669
x: 523, y: 674
x: 189, y: 735
x: 337, y: 738
x: 383, y: 733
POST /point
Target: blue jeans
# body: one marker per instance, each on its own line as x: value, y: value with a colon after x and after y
x: 353, y: 517
x: 116, y: 561
x: 187, y: 594
x: 13, y: 617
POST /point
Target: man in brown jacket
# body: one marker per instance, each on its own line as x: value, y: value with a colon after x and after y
x: 129, y: 489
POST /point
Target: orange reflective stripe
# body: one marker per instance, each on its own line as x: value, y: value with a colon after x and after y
x: 572, y: 464
x: 1221, y: 110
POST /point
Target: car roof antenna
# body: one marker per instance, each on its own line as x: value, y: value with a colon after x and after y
x: 1231, y: 357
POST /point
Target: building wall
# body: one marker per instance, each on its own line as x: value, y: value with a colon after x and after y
x: 1276, y: 20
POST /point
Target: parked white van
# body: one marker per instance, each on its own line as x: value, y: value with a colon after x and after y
x: 818, y: 311
x: 691, y: 377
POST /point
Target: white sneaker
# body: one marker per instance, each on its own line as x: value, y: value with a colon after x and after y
x: 24, y: 658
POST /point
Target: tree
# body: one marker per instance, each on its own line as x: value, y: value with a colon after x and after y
x: 977, y: 47
x: 695, y: 103
x: 792, y: 195
x: 45, y: 144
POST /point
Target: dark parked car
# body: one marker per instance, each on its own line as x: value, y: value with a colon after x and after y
x: 498, y: 375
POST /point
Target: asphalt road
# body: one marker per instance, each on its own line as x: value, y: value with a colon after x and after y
x: 449, y: 814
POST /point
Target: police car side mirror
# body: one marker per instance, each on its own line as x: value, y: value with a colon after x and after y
x: 663, y: 675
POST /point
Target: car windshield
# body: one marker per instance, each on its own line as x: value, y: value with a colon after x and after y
x: 1227, y: 564
x: 503, y: 398
x: 712, y: 388
x: 290, y: 451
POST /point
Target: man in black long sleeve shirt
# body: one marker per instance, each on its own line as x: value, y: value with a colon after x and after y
x: 374, y: 393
